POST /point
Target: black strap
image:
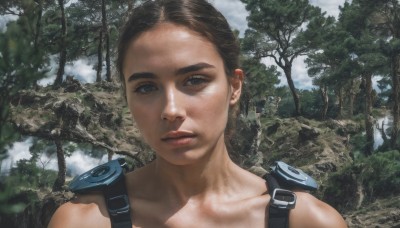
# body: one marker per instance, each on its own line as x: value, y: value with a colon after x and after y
x: 118, y: 204
x: 278, y: 216
x: 119, y: 209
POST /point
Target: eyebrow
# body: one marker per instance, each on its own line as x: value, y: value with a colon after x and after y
x: 140, y: 75
x: 193, y: 68
x: 183, y: 70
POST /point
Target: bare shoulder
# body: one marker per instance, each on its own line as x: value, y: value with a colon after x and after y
x: 311, y: 212
x: 82, y: 211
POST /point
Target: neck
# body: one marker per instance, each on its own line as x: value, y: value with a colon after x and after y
x: 209, y: 175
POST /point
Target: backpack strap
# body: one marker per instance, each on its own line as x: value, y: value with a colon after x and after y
x: 281, y: 178
x: 108, y: 178
x: 118, y: 206
x: 282, y: 201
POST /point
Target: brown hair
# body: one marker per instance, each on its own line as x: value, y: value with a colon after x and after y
x: 197, y: 15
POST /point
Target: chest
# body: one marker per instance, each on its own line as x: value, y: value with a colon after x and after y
x: 244, y: 213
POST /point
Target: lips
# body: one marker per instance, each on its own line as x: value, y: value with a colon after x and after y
x: 178, y: 138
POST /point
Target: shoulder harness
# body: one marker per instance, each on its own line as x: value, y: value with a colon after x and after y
x: 109, y: 179
x: 281, y: 180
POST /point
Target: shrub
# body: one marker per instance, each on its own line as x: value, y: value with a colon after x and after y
x: 378, y: 175
x: 381, y: 174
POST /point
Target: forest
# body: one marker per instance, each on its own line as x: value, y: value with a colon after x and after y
x: 353, y: 61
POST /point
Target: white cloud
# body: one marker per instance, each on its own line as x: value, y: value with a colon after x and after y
x: 16, y: 152
x: 331, y: 7
x: 81, y: 69
x: 235, y: 13
x: 77, y: 163
x: 4, y: 19
x: 299, y: 73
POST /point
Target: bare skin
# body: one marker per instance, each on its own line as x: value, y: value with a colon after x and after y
x: 179, y: 95
x: 155, y: 208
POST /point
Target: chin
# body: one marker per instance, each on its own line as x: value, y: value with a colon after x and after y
x: 183, y: 158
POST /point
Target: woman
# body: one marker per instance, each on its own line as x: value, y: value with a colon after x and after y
x: 178, y: 61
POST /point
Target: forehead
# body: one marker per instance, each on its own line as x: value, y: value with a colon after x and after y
x: 171, y: 44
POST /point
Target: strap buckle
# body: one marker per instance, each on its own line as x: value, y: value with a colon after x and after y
x: 118, y: 205
x: 283, y: 199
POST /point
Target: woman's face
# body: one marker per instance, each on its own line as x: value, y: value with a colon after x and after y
x: 178, y: 92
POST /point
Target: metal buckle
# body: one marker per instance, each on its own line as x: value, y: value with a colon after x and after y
x: 118, y: 205
x: 283, y: 199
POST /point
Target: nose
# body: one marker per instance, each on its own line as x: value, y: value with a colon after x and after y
x: 173, y: 106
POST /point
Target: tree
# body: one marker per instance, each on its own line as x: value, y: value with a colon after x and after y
x: 105, y: 32
x: 86, y: 33
x: 368, y: 60
x: 332, y: 67
x: 259, y: 82
x: 62, y: 46
x: 21, y: 65
x: 284, y: 30
x: 387, y: 25
x: 93, y: 31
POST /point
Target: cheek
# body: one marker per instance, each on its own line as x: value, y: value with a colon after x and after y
x: 214, y: 105
x: 141, y: 115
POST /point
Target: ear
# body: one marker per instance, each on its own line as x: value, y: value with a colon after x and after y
x: 236, y: 86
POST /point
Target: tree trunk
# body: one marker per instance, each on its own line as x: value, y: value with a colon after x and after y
x: 108, y: 60
x: 99, y: 57
x: 62, y: 168
x: 369, y: 126
x: 37, y: 32
x: 63, y: 47
x: 107, y: 39
x: 351, y: 105
x: 340, y: 103
x: 324, y: 93
x: 38, y: 23
x: 296, y: 99
x: 354, y: 87
x: 396, y: 108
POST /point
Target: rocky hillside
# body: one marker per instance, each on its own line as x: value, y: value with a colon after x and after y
x: 91, y: 113
x: 97, y: 114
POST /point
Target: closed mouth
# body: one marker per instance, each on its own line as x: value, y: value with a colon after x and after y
x: 176, y: 135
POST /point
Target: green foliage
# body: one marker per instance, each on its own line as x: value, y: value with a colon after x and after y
x: 283, y: 30
x: 311, y: 103
x: 341, y: 190
x: 11, y: 200
x: 376, y: 176
x: 381, y: 174
x: 286, y: 106
x: 21, y: 64
x: 311, y: 100
x: 358, y: 143
x: 259, y: 84
x: 28, y: 175
x: 260, y: 80
x: 18, y: 189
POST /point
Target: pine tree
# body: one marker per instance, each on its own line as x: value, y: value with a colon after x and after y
x: 284, y: 30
